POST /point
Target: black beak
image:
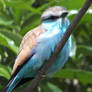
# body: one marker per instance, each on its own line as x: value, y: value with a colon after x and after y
x: 64, y: 14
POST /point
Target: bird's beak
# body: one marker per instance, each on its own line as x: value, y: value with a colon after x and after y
x: 64, y: 14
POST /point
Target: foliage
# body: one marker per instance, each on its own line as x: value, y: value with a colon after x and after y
x: 17, y: 17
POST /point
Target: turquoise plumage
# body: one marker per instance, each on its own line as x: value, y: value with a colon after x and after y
x: 34, y: 54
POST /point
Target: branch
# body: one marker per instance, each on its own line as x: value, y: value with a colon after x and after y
x: 58, y: 48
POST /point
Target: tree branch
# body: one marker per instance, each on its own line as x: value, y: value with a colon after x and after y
x: 58, y: 48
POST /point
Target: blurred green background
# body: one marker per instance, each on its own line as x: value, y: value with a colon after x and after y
x: 19, y: 16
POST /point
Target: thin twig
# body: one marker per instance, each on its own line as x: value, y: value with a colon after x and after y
x: 59, y: 47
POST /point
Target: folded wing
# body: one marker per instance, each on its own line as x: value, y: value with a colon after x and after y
x: 27, y: 44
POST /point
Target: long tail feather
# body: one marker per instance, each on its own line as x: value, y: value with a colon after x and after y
x: 6, y: 88
x: 12, y: 84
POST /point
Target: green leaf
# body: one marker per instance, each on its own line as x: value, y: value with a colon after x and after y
x: 48, y: 87
x: 21, y: 5
x: 70, y: 4
x: 5, y: 71
x: 53, y: 87
x: 1, y: 86
x: 73, y: 47
x: 8, y: 43
x: 83, y: 76
x: 30, y: 24
x: 5, y: 22
x: 86, y: 50
x: 85, y: 18
x: 12, y: 35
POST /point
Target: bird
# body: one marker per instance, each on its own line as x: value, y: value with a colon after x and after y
x: 38, y: 45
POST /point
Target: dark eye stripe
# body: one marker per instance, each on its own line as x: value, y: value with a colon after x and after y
x: 51, y: 18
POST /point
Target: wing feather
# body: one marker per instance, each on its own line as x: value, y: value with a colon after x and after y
x: 26, y: 46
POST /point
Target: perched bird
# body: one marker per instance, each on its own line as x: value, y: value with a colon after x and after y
x: 38, y: 45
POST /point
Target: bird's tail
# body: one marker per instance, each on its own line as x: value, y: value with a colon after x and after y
x: 12, y: 84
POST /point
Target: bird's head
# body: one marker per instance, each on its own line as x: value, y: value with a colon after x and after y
x: 55, y: 14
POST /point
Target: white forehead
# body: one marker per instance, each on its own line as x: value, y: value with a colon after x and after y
x: 53, y: 11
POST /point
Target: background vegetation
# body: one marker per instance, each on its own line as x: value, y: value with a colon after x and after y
x: 19, y: 16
